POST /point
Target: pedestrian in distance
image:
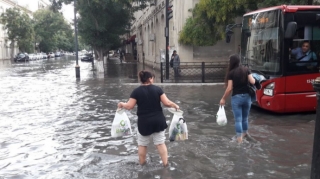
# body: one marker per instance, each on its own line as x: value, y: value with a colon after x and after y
x: 121, y: 55
x: 237, y: 79
x: 176, y: 63
x: 151, y: 120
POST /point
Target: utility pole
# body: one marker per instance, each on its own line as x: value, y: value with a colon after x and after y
x: 166, y: 30
x: 76, y: 40
x: 315, y: 166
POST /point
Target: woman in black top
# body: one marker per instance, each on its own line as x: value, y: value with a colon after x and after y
x: 151, y: 121
x: 237, y: 80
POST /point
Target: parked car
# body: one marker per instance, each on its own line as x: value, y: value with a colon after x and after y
x: 32, y: 56
x: 43, y: 55
x: 57, y: 54
x: 21, y: 57
x: 39, y: 56
x: 50, y: 55
x: 111, y: 53
x: 87, y: 57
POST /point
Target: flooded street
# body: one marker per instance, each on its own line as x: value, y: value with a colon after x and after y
x: 56, y: 127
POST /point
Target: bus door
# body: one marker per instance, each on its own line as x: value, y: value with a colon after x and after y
x: 299, y: 93
x: 302, y: 68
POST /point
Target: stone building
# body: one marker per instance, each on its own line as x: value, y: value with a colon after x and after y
x: 147, y: 35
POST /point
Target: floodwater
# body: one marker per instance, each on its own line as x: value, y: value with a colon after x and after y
x: 56, y: 127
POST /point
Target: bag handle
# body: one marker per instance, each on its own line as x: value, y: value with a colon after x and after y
x: 184, y: 121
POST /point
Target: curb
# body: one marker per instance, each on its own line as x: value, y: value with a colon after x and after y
x: 179, y: 84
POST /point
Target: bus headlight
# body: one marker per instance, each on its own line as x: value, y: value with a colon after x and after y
x: 268, y: 90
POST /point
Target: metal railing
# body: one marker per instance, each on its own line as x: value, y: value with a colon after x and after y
x: 195, y: 72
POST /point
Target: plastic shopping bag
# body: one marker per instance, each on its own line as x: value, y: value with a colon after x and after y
x: 121, y: 125
x: 178, y: 128
x: 221, y: 117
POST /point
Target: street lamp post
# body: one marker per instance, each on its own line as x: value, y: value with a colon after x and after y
x: 315, y: 166
x: 76, y: 39
x: 167, y: 40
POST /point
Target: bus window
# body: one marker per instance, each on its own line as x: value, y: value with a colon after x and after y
x: 305, y: 51
x: 260, y: 49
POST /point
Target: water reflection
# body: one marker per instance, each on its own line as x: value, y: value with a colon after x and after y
x: 55, y: 127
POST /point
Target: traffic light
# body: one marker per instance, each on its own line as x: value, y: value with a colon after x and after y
x: 169, y: 12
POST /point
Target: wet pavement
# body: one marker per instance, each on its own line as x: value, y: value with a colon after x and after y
x: 56, y: 127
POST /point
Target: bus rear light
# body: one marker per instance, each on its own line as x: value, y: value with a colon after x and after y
x: 268, y: 90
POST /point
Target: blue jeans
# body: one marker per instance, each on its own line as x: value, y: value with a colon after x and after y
x: 241, y: 104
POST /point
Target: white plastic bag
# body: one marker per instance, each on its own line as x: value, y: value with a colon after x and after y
x: 221, y: 116
x: 121, y: 125
x: 178, y: 128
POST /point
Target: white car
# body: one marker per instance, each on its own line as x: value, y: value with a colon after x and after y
x: 39, y: 56
x: 51, y: 55
x: 32, y: 56
x: 43, y: 55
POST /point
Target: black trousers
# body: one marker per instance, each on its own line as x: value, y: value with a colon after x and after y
x: 176, y: 71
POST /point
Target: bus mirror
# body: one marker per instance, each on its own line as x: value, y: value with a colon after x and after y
x: 228, y: 35
x: 248, y: 34
x: 291, y: 30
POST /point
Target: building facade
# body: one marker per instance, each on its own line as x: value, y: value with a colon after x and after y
x: 5, y: 50
x: 146, y: 40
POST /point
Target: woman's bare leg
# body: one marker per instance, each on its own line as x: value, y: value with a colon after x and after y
x: 142, y: 151
x: 162, y: 148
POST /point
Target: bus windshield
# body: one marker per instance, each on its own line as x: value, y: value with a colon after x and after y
x: 260, y: 42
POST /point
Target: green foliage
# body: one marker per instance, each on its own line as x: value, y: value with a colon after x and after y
x: 102, y: 22
x: 19, y: 28
x: 64, y: 40
x: 52, y: 31
x: 56, y: 5
x: 193, y: 33
x: 210, y: 17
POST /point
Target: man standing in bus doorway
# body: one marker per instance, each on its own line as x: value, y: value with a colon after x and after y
x: 304, y: 54
x: 176, y: 63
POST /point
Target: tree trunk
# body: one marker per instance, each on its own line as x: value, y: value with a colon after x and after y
x: 310, y: 2
x: 12, y: 50
x: 95, y: 53
x: 99, y: 64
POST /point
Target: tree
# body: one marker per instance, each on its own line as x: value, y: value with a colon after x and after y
x: 64, y: 40
x: 56, y: 5
x: 19, y: 28
x: 51, y: 29
x: 102, y: 22
x: 210, y: 17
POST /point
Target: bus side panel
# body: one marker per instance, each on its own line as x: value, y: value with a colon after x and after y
x: 300, y: 83
x: 274, y: 103
x: 301, y: 102
x: 300, y: 95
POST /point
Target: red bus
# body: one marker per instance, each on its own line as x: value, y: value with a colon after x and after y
x: 282, y: 43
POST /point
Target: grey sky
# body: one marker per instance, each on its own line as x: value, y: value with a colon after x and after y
x: 67, y: 10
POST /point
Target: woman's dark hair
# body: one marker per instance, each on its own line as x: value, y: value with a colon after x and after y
x: 234, y: 63
x: 145, y: 76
